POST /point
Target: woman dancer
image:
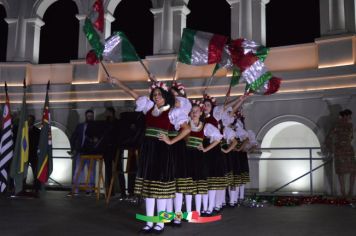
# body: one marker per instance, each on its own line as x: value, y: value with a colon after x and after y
x: 155, y: 179
x: 198, y: 166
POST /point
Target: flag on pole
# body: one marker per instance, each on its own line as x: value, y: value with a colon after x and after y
x: 200, y: 48
x: 45, y: 163
x: 6, y: 143
x: 119, y: 49
x: 19, y: 164
x: 93, y: 29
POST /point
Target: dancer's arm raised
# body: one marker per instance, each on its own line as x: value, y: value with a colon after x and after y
x: 121, y: 85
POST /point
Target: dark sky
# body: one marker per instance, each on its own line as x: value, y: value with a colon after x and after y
x: 288, y: 22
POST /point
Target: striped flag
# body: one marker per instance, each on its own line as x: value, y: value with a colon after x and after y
x: 6, y: 143
x: 200, y: 48
x: 119, y: 49
x: 19, y: 164
x: 45, y: 164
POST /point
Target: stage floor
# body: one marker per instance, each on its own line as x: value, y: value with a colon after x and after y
x: 56, y: 214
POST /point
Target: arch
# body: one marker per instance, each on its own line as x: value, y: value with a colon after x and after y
x: 135, y: 19
x: 6, y: 5
x: 111, y: 5
x: 300, y: 119
x: 41, y: 6
x: 59, y: 44
x: 200, y: 18
x: 3, y: 33
x: 275, y: 173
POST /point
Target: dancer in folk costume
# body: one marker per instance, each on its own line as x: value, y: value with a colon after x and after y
x: 225, y: 115
x: 198, y: 164
x: 179, y: 116
x: 241, y: 174
x: 155, y: 179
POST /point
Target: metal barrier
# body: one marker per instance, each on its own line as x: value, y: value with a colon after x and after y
x: 327, y: 161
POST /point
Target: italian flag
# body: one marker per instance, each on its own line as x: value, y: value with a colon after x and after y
x: 200, y: 48
x: 249, y: 58
x: 119, y: 49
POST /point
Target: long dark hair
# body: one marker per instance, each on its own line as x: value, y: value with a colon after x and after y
x: 167, y: 96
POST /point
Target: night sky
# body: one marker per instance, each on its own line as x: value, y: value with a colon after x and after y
x: 59, y: 35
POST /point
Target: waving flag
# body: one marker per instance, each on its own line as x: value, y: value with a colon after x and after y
x: 119, y: 49
x: 6, y: 143
x: 19, y: 163
x: 200, y: 48
x: 45, y: 164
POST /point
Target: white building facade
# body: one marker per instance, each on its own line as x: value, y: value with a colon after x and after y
x: 319, y: 80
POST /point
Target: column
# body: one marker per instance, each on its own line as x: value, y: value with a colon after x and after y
x: 83, y: 46
x: 167, y: 29
x: 169, y: 22
x: 109, y: 18
x: 33, y: 35
x: 248, y: 19
x: 179, y: 23
x: 11, y: 38
x: 332, y: 17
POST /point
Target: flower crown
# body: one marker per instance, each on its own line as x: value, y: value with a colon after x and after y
x: 206, y: 97
x: 197, y: 103
x: 179, y: 87
x: 159, y: 84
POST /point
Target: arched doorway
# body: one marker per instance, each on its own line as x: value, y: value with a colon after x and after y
x: 275, y: 173
x: 133, y: 17
x: 3, y: 33
x: 60, y: 34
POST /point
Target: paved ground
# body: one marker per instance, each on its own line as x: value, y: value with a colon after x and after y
x: 56, y: 214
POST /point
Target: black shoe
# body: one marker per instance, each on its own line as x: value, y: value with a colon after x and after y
x: 217, y: 210
x: 146, y: 229
x: 158, y: 229
x: 177, y: 223
x: 169, y: 223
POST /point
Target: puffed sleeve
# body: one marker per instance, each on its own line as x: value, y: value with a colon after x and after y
x: 217, y: 112
x: 241, y: 133
x: 229, y: 134
x: 252, y: 137
x: 212, y: 133
x: 185, y: 104
x: 143, y: 104
x: 177, y: 117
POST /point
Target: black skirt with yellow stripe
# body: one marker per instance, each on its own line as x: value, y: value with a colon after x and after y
x: 155, y: 174
x: 184, y: 181
x: 244, y: 167
x: 217, y: 178
x: 197, y: 167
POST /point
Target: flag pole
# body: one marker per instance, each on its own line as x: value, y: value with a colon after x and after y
x: 146, y: 69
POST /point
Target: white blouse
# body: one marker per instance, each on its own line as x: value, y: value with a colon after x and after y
x: 177, y: 117
x: 229, y: 134
x: 241, y: 133
x: 224, y: 115
x: 212, y: 133
x: 144, y: 104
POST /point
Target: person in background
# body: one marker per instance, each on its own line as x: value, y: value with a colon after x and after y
x: 344, y: 155
x: 77, y: 141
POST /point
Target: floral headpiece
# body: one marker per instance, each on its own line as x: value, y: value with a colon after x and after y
x: 179, y: 87
x: 159, y: 84
x: 206, y: 97
x: 198, y: 104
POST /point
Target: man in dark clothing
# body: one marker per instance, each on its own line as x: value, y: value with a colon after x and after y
x: 34, y: 138
x: 78, y: 141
